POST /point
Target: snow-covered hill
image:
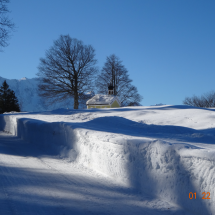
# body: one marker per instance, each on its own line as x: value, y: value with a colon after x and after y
x: 26, y: 90
x: 162, y: 153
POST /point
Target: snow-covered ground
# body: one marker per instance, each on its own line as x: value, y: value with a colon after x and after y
x: 109, y: 161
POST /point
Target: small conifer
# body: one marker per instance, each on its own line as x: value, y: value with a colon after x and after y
x: 8, y: 100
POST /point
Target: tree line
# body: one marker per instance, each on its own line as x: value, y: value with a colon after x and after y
x: 69, y: 70
x: 206, y: 100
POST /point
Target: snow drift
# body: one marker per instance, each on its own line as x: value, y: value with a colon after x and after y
x: 147, y: 149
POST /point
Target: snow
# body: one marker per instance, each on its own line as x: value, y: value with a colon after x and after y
x: 23, y: 79
x: 100, y: 99
x: 148, y: 159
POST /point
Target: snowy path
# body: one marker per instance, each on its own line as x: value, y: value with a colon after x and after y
x: 33, y: 181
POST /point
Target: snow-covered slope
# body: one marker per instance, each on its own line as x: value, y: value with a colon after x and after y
x: 167, y: 151
x: 34, y: 181
x: 26, y: 90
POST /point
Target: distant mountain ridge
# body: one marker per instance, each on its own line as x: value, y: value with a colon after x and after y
x: 26, y: 90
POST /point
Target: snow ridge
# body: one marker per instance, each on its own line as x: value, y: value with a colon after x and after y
x: 137, y: 154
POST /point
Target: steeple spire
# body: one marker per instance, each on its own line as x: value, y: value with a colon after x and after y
x: 110, y: 89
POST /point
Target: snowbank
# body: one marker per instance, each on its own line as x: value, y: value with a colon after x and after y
x: 150, y: 165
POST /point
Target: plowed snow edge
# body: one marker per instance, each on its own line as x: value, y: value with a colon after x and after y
x: 152, y: 166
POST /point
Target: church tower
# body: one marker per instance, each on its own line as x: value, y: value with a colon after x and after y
x: 110, y: 89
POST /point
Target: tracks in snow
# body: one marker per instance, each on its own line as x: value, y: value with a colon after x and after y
x: 34, y: 181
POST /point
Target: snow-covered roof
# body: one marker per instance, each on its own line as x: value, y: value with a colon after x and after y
x: 100, y: 99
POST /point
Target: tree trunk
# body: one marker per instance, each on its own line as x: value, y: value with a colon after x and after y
x: 76, y: 100
x: 114, y: 82
x: 112, y: 78
x: 76, y: 93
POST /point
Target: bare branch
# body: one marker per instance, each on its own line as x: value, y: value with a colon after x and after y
x: 6, y: 25
x: 206, y: 101
x: 114, y: 72
x: 67, y: 70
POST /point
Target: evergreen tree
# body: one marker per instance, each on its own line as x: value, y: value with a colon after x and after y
x: 8, y: 100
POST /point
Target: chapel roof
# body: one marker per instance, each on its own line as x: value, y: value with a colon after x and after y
x: 100, y: 99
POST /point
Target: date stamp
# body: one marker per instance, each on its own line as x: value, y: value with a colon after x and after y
x: 205, y: 195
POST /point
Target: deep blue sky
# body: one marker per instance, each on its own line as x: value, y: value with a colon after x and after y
x: 168, y: 46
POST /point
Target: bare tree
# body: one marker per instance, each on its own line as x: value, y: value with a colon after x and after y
x: 206, y: 101
x: 67, y: 71
x: 6, y: 25
x: 115, y: 73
